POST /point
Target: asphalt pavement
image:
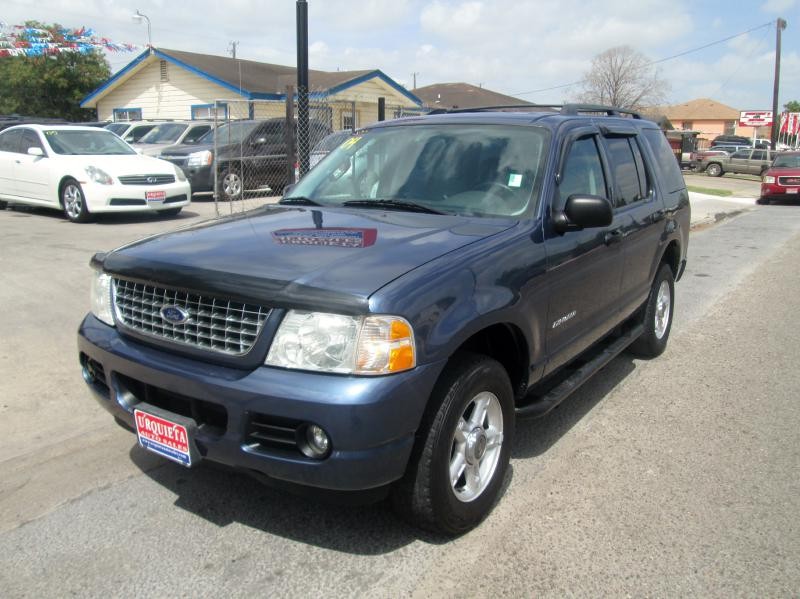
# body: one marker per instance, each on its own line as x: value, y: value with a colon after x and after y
x: 673, y: 477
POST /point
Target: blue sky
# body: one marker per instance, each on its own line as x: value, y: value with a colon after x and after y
x: 510, y: 46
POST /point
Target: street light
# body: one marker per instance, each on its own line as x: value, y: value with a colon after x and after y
x: 137, y: 18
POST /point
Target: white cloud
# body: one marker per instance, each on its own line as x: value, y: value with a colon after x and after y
x: 778, y: 6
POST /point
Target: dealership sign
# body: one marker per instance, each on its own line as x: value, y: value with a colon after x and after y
x: 755, y: 118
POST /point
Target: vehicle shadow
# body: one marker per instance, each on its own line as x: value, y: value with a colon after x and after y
x: 224, y: 496
x: 535, y: 436
x: 101, y: 219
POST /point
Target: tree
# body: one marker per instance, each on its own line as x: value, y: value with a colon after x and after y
x: 50, y: 85
x: 792, y: 106
x: 623, y: 77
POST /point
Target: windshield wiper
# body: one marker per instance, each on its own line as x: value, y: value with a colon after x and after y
x: 300, y: 200
x: 392, y: 204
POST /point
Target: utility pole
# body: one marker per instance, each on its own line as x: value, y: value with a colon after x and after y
x: 414, y: 77
x: 302, y: 86
x: 232, y: 48
x: 780, y: 25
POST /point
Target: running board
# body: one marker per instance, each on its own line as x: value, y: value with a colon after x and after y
x: 560, y: 392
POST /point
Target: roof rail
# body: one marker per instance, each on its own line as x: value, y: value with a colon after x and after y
x: 567, y: 109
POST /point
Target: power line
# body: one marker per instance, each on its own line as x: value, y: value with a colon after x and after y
x: 660, y: 60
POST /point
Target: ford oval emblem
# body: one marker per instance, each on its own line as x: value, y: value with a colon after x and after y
x: 174, y: 314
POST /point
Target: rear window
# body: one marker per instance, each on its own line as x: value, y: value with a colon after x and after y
x: 668, y: 169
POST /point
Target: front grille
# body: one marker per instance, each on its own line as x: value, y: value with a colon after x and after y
x: 126, y: 202
x: 176, y: 160
x: 788, y: 181
x: 173, y: 199
x: 211, y: 323
x: 147, y: 179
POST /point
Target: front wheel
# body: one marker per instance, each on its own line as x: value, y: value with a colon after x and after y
x: 171, y: 211
x: 714, y: 170
x: 231, y: 184
x: 657, y: 316
x: 462, y: 449
x: 74, y: 202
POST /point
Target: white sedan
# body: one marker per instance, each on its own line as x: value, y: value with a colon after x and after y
x: 84, y: 171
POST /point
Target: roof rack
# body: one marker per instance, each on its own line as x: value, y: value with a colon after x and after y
x: 566, y: 109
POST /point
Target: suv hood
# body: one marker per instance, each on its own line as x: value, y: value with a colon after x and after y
x: 184, y: 149
x: 331, y: 259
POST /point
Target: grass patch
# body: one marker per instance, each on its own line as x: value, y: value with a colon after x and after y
x: 709, y: 191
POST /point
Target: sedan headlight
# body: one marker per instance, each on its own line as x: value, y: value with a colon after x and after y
x: 344, y: 344
x: 181, y: 176
x: 98, y: 175
x: 769, y: 179
x: 101, y: 298
x: 203, y: 158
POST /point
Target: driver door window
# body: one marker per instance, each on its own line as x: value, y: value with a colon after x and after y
x: 582, y: 173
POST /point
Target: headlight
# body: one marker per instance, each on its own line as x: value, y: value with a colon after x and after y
x: 98, y: 175
x: 344, y: 344
x: 101, y: 298
x: 769, y: 179
x: 179, y: 173
x: 203, y: 158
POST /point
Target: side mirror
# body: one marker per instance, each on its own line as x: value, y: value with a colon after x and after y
x: 260, y: 141
x: 584, y: 212
x: 34, y: 151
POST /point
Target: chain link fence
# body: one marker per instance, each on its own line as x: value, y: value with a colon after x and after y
x: 257, y: 144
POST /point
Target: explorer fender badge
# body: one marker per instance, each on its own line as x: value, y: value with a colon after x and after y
x: 174, y: 314
x: 564, y: 319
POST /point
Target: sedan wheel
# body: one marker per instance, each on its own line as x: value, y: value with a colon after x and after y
x: 74, y: 202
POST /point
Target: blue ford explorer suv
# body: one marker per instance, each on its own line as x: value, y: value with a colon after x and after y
x: 382, y: 326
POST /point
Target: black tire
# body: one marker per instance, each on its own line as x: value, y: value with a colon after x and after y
x: 763, y: 201
x: 74, y: 202
x: 653, y: 341
x: 3, y: 204
x: 426, y: 496
x: 714, y: 170
x: 231, y: 184
x: 171, y: 211
x: 764, y: 169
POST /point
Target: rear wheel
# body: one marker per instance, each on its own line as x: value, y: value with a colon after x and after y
x: 74, y: 202
x: 462, y: 449
x: 657, y: 316
x: 714, y: 170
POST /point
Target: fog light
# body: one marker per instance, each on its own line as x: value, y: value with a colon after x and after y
x: 317, y: 444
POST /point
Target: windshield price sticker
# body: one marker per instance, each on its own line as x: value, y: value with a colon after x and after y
x: 163, y: 437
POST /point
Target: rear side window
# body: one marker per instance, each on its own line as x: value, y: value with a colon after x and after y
x: 629, y: 183
x: 583, y: 172
x: 30, y: 140
x: 9, y: 141
x: 759, y: 155
x: 669, y: 171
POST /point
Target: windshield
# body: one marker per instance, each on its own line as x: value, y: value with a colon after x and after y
x: 789, y: 161
x: 474, y: 170
x: 229, y: 133
x: 161, y: 134
x: 118, y: 128
x: 82, y: 142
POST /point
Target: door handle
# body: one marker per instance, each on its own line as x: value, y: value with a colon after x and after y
x: 614, y: 236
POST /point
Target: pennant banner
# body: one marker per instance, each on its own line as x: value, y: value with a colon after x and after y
x: 19, y: 40
x: 790, y: 123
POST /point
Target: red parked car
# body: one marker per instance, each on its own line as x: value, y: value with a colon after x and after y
x: 782, y: 180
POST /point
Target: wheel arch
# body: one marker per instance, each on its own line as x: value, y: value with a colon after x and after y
x: 505, y: 343
x: 61, y: 185
x: 672, y: 257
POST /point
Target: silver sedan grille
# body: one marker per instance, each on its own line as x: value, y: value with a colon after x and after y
x: 204, y: 322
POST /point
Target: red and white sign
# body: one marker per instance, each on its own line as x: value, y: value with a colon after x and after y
x: 155, y: 196
x: 163, y: 437
x: 755, y: 118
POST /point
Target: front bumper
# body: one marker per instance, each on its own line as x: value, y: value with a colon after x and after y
x: 371, y: 421
x: 774, y: 191
x: 133, y: 198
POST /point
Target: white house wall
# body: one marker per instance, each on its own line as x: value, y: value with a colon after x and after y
x: 158, y: 99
